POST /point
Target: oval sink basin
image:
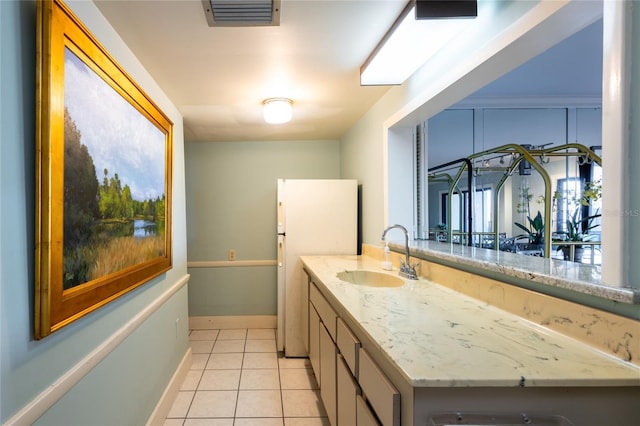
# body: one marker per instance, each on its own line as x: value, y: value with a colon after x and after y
x: 370, y: 278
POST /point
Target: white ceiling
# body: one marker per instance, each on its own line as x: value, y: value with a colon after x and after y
x: 218, y: 77
x: 569, y: 70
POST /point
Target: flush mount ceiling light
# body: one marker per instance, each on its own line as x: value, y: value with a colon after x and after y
x: 277, y: 110
x: 423, y: 28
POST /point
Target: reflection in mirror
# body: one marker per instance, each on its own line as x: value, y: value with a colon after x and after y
x: 552, y: 100
x: 546, y: 204
x: 481, y: 58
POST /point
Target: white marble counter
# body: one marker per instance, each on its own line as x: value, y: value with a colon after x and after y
x: 436, y: 337
x: 557, y: 273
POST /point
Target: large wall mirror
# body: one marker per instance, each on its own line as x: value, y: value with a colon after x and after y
x: 550, y: 99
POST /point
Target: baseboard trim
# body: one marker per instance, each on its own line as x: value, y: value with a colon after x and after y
x: 169, y: 395
x: 48, y: 397
x: 229, y: 322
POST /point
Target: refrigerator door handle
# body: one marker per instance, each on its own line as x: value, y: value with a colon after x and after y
x: 280, y: 217
x: 280, y: 254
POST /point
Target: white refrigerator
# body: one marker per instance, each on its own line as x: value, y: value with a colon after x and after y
x: 314, y: 217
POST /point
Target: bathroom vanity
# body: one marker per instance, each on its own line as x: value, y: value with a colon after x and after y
x: 421, y: 353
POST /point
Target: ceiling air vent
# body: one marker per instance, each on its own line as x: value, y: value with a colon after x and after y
x: 242, y: 13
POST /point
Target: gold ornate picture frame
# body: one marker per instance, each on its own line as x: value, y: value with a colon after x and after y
x: 103, y: 175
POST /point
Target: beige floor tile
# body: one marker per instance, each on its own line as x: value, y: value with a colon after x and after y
x: 259, y: 422
x: 259, y: 403
x: 201, y: 346
x: 225, y: 361
x: 306, y: 421
x: 203, y: 335
x: 191, y: 380
x: 226, y: 346
x: 199, y: 361
x: 220, y: 380
x: 261, y: 333
x: 294, y: 362
x: 181, y: 404
x: 208, y: 422
x: 260, y: 346
x: 213, y: 404
x: 233, y: 334
x: 260, y: 360
x: 260, y: 379
x: 302, y: 403
x: 173, y: 422
x: 298, y: 378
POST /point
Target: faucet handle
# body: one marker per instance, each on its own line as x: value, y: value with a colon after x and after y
x: 415, y: 267
x: 409, y: 270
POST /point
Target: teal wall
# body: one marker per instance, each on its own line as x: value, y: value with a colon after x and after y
x: 124, y: 388
x: 231, y: 204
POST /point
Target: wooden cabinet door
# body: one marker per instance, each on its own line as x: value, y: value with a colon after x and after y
x: 364, y: 416
x: 346, y: 393
x: 304, y: 323
x: 328, y: 353
x: 314, y: 341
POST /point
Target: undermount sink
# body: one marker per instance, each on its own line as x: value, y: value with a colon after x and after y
x: 370, y: 278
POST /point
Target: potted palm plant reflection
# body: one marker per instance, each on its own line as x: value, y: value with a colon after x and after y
x: 534, y: 228
x: 534, y: 231
x: 578, y: 231
x: 579, y: 225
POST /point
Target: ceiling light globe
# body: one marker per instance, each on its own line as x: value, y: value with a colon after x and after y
x: 277, y: 110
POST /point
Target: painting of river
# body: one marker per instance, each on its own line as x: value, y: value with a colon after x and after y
x: 114, y: 180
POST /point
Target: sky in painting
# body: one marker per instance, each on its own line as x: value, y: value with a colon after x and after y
x: 118, y: 137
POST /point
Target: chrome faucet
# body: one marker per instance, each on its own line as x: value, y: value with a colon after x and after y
x: 406, y: 269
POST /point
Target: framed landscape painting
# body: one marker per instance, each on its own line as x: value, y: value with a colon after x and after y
x: 103, y: 176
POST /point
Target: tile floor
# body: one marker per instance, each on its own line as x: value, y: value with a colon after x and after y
x: 237, y: 379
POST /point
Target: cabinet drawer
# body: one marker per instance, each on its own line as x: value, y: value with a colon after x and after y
x: 364, y: 416
x: 348, y: 345
x: 325, y: 311
x: 379, y: 391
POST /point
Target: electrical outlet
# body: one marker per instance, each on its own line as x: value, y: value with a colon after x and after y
x: 232, y: 254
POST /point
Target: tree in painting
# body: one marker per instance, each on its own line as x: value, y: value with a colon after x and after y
x: 80, y: 202
x: 99, y: 233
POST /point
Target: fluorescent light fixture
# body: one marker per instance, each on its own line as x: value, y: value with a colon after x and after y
x: 406, y: 46
x: 277, y: 110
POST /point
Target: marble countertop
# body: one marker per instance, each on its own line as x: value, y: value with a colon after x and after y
x: 437, y: 337
x: 572, y: 276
